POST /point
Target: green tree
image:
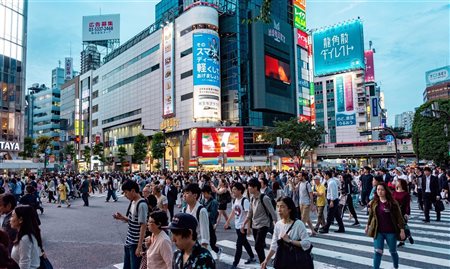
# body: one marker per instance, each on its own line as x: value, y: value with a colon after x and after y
x: 121, y: 153
x: 87, y: 155
x: 28, y: 149
x: 43, y: 142
x: 69, y: 149
x: 140, y: 148
x: 430, y: 133
x: 157, y: 147
x: 299, y: 137
x: 98, y: 150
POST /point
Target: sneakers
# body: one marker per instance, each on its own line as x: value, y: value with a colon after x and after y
x: 249, y: 261
x: 340, y: 231
x: 323, y: 231
x: 411, y: 240
x: 401, y: 244
x: 218, y: 254
x: 356, y: 224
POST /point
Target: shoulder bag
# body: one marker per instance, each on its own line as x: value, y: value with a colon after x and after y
x: 289, y: 256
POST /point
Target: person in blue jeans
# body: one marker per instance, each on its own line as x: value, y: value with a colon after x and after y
x: 385, y: 223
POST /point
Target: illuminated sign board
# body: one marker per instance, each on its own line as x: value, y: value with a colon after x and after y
x: 302, y: 39
x: 339, y: 48
x: 9, y: 146
x: 168, y: 69
x: 211, y: 142
x: 299, y: 18
x: 369, y: 75
x: 345, y: 100
x: 277, y: 69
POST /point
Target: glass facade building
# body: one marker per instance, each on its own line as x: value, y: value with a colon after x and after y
x: 13, y: 27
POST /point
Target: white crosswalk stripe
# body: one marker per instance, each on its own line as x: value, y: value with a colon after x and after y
x: 354, y: 249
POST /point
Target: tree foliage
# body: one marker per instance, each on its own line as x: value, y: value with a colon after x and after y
x: 430, y: 134
x: 98, y: 150
x: 264, y: 13
x: 157, y: 147
x: 28, y: 149
x: 69, y: 149
x: 121, y: 153
x: 87, y: 154
x: 43, y: 142
x: 298, y: 137
x: 140, y: 148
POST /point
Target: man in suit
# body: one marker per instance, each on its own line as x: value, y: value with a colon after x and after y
x: 171, y: 192
x: 84, y: 189
x: 430, y: 190
x: 442, y: 179
x: 386, y: 176
x: 7, y: 204
x: 366, y: 185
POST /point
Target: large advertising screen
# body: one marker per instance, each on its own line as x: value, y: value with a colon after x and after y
x: 345, y: 100
x: 339, y: 48
x: 438, y: 75
x: 277, y: 69
x: 369, y: 75
x: 168, y: 70
x: 101, y: 27
x: 212, y: 142
x: 206, y: 74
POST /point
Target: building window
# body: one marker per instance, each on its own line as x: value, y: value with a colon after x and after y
x: 186, y: 52
x: 186, y: 74
x: 122, y: 116
x: 187, y: 96
x: 95, y: 109
x: 95, y: 123
x: 94, y: 94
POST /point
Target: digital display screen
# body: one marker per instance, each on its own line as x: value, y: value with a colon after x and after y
x: 215, y: 142
x: 277, y: 69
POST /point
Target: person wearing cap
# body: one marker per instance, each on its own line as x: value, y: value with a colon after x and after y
x: 193, y: 207
x: 189, y: 253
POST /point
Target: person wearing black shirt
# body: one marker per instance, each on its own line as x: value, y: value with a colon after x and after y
x: 366, y: 184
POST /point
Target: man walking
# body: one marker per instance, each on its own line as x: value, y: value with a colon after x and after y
x: 430, y: 188
x: 366, y: 184
x: 84, y: 189
x: 333, y: 204
x: 171, y: 192
x: 136, y: 217
x: 306, y: 201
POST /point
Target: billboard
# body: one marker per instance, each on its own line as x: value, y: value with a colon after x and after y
x: 214, y: 141
x: 206, y: 75
x: 369, y: 75
x: 300, y: 3
x: 168, y: 71
x: 338, y: 48
x: 68, y: 70
x: 345, y: 100
x: 302, y: 39
x: 299, y: 18
x: 101, y: 27
x: 438, y: 75
x: 277, y: 69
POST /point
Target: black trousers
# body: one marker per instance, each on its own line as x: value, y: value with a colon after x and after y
x: 171, y: 206
x: 420, y: 198
x: 333, y: 213
x: 213, y: 238
x: 260, y: 242
x: 351, y: 208
x: 242, y: 241
x: 85, y: 197
x: 365, y: 197
x: 428, y: 199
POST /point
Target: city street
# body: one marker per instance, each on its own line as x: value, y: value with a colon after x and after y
x: 79, y: 237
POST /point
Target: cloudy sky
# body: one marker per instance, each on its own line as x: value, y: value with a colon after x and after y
x: 410, y: 37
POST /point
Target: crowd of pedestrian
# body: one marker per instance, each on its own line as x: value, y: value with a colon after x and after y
x: 262, y: 203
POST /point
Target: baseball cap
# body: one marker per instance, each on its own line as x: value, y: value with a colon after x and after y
x: 182, y: 221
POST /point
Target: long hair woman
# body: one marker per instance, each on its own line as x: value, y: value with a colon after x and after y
x: 27, y: 247
x: 385, y: 223
x: 297, y: 236
x: 402, y: 196
x: 159, y: 252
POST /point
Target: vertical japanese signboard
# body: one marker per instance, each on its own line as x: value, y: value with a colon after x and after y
x: 206, y: 72
x: 168, y: 69
x: 68, y: 68
x: 339, y: 48
x: 299, y: 18
x: 370, y: 71
x: 344, y: 96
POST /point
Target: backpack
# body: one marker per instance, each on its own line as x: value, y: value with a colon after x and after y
x: 137, y: 207
x: 197, y: 215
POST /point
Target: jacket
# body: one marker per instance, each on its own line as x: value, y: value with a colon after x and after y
x: 434, y: 186
x: 396, y: 216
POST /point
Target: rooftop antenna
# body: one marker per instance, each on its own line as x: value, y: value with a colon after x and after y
x: 59, y: 63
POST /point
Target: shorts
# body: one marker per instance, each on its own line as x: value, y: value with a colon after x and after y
x: 223, y: 206
x: 305, y: 210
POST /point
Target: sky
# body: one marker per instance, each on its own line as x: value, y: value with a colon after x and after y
x: 410, y: 37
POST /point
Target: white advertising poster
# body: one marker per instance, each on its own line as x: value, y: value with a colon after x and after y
x: 207, y: 102
x: 101, y: 27
x: 168, y: 68
x: 68, y: 68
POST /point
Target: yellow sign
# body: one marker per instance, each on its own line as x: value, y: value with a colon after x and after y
x: 169, y: 124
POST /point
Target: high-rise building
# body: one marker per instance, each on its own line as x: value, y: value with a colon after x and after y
x: 438, y: 84
x: 13, y: 29
x: 404, y: 120
x: 58, y: 77
x: 90, y: 58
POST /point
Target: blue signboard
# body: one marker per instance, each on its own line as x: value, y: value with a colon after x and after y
x: 345, y: 120
x: 206, y: 56
x: 338, y: 48
x: 375, y: 107
x: 389, y: 138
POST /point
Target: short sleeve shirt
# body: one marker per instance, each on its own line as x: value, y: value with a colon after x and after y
x: 200, y: 258
x: 304, y: 190
x: 239, y: 216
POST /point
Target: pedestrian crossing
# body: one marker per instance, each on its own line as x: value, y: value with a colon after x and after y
x: 354, y: 249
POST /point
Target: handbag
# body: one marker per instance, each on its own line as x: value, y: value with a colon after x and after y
x: 289, y: 256
x: 45, y: 263
x: 439, y: 206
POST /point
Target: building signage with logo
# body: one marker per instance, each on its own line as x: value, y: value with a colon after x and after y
x: 68, y: 70
x: 9, y: 146
x: 370, y: 71
x: 436, y: 76
x: 101, y: 27
x: 299, y: 18
x: 276, y: 33
x: 168, y: 69
x: 302, y: 39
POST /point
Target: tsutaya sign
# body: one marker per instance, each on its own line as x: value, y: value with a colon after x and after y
x: 9, y: 146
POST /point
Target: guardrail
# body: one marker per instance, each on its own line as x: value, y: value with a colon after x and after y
x: 387, y: 150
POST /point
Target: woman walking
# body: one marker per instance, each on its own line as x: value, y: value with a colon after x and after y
x: 63, y: 190
x: 288, y: 228
x: 159, y: 245
x: 27, y: 247
x: 402, y: 196
x: 385, y: 223
x: 224, y: 197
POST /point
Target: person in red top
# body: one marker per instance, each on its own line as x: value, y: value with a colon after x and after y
x: 402, y: 196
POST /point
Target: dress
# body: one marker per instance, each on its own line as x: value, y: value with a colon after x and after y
x: 62, y: 192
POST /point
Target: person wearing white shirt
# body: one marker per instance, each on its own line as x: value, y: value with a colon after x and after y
x: 333, y: 204
x: 191, y: 195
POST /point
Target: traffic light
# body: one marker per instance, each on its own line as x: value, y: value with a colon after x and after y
x: 77, y: 139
